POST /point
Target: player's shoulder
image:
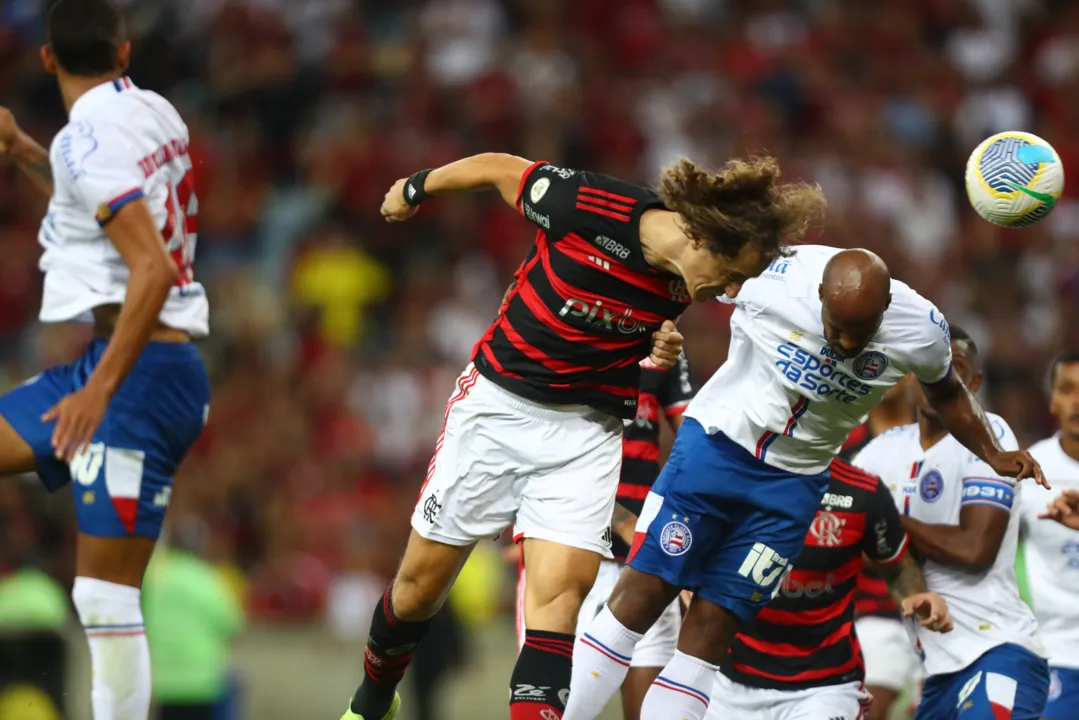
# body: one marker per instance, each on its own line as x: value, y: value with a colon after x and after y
x: 879, y: 453
x: 910, y: 316
x: 1003, y: 431
x: 848, y: 479
x: 83, y: 144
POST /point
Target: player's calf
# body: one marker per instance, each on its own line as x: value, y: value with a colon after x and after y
x: 401, y: 620
x: 559, y: 579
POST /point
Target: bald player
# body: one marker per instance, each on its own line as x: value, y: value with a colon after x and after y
x: 816, y: 341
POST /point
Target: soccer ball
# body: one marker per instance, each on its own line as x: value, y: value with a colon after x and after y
x: 1014, y: 179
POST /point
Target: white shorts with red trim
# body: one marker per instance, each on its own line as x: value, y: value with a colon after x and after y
x: 654, y: 650
x: 848, y: 701
x: 501, y: 460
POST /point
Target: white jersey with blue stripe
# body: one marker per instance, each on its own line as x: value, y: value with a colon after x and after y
x: 783, y: 394
x: 933, y: 486
x: 121, y: 144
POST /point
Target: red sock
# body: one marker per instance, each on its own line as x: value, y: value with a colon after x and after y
x: 539, y: 687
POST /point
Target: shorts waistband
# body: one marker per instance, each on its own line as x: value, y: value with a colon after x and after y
x: 156, y: 350
x: 534, y: 409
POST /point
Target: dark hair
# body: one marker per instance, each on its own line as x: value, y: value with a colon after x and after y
x: 85, y: 35
x: 1065, y: 358
x: 960, y: 335
x: 742, y: 203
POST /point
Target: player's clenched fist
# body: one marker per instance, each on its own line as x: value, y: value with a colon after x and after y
x: 394, y: 207
x: 666, y: 345
x: 931, y: 611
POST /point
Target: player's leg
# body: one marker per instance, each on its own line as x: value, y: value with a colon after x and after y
x: 470, y: 493
x: 122, y: 486
x: 565, y: 515
x: 732, y: 701
x: 1063, y: 700
x: 835, y: 702
x: 650, y: 656
x: 1008, y: 681
x: 890, y: 662
x: 766, y: 514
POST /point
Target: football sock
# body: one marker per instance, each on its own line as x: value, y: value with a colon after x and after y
x: 680, y: 691
x: 119, y: 655
x: 390, y: 646
x: 539, y: 685
x: 600, y: 663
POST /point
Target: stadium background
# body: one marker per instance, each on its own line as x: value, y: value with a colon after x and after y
x: 336, y: 337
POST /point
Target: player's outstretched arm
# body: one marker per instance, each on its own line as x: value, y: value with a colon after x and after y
x: 906, y: 584
x: 963, y: 417
x: 487, y: 170
x: 153, y: 273
x: 21, y: 149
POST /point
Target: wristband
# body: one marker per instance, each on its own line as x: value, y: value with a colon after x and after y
x: 413, y: 190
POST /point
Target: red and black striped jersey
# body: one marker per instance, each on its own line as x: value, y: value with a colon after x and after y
x: 872, y: 596
x: 584, y: 303
x: 805, y: 636
x: 664, y: 394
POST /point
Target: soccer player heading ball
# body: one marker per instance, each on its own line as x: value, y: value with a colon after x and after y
x: 816, y: 341
x: 533, y: 432
x: 119, y: 241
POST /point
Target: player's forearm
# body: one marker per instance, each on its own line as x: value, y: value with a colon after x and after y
x: 949, y: 544
x: 147, y: 290
x: 486, y: 170
x: 33, y: 160
x: 903, y: 578
x: 962, y: 416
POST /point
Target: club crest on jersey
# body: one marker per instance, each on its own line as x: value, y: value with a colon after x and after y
x: 870, y: 365
x: 827, y: 529
x: 675, y: 538
x: 539, y: 189
x: 931, y: 486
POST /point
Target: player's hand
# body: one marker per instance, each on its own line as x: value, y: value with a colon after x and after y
x: 394, y: 207
x: 1020, y: 465
x: 931, y: 611
x: 1064, y: 509
x: 77, y: 417
x: 9, y: 132
x: 666, y: 345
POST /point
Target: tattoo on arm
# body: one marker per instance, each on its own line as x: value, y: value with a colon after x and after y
x: 904, y: 578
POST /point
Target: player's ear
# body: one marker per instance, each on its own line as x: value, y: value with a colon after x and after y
x: 48, y: 60
x: 123, y: 55
x: 975, y: 382
x: 820, y: 292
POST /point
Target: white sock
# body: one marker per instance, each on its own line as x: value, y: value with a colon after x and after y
x: 681, y: 690
x: 601, y: 657
x: 120, y: 657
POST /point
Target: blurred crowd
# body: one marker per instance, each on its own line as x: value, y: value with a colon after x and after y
x: 336, y: 337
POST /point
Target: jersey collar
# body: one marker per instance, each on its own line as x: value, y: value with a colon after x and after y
x: 98, y: 95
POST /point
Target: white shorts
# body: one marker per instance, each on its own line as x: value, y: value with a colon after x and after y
x: 730, y: 700
x: 890, y: 660
x: 654, y: 650
x: 502, y: 460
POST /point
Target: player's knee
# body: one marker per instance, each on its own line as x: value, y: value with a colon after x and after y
x: 707, y: 630
x: 639, y: 599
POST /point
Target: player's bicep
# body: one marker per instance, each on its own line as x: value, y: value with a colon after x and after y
x: 885, y: 539
x: 984, y: 513
x: 133, y: 232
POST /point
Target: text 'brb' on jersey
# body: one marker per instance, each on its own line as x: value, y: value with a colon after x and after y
x: 585, y: 303
x: 805, y: 636
x: 664, y: 394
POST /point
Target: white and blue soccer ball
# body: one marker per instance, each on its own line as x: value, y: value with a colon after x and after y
x: 1014, y: 179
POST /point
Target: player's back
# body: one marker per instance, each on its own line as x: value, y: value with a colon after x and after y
x: 783, y: 394
x: 934, y: 486
x: 1052, y: 556
x: 585, y: 302
x: 120, y: 145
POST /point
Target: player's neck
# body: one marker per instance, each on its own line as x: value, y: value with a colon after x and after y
x: 73, y: 87
x: 662, y: 240
x: 930, y: 431
x: 1070, y: 445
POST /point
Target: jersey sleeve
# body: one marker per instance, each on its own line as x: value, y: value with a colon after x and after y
x: 981, y: 484
x: 100, y: 166
x: 885, y: 538
x: 931, y: 359
x: 564, y: 201
x: 678, y: 388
